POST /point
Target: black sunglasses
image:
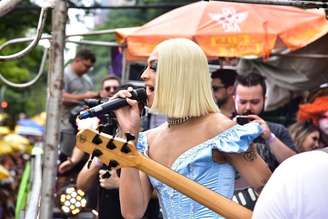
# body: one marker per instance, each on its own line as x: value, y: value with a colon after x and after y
x: 216, y: 88
x: 109, y: 88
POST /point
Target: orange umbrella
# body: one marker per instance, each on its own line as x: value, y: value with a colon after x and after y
x: 225, y: 29
x: 122, y: 33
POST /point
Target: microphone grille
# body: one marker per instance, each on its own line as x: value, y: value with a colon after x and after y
x: 140, y: 95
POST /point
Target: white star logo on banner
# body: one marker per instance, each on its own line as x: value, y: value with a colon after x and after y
x: 229, y: 19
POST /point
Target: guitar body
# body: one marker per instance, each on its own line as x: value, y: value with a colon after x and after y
x: 122, y: 153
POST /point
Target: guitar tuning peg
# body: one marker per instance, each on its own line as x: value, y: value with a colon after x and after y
x: 106, y: 175
x: 129, y: 137
x: 108, y: 167
x: 110, y: 145
x: 97, y: 140
x: 96, y: 153
x: 100, y: 128
x: 113, y: 163
x: 125, y: 149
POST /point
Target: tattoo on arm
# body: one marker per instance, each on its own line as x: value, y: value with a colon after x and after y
x: 250, y: 155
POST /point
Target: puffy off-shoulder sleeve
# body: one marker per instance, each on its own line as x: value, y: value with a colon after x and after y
x: 238, y: 138
x: 142, y: 142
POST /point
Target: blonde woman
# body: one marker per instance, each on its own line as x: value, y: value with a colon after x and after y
x: 178, y: 85
x: 305, y: 135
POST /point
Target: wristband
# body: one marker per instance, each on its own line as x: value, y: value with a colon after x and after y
x: 271, y: 138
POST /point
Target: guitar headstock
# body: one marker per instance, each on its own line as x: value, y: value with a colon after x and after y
x: 113, y: 152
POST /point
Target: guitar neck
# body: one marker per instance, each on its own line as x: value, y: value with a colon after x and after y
x: 118, y: 152
x: 214, y: 201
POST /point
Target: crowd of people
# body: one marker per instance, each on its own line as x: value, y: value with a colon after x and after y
x: 102, y: 193
x: 202, y: 116
x: 16, y: 162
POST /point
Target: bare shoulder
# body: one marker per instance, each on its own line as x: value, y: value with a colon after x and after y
x: 219, y: 122
x: 155, y: 132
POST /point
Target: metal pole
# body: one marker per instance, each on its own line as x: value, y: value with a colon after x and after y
x: 48, y: 37
x: 33, y: 44
x: 7, y: 5
x: 55, y: 85
x: 31, y: 82
x: 32, y: 209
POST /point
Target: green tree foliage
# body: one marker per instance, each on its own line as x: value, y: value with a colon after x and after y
x: 20, y: 21
x: 29, y: 100
x: 120, y: 18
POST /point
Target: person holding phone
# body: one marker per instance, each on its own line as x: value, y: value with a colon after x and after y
x: 275, y: 144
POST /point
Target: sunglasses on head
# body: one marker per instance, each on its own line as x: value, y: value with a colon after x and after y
x: 109, y: 88
x: 216, y: 88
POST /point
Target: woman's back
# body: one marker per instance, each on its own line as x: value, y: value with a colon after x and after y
x: 178, y: 86
x: 166, y: 144
x: 195, y: 161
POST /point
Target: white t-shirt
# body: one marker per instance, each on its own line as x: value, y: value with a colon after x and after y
x: 298, y: 189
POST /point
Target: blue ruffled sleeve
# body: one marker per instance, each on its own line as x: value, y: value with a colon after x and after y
x: 238, y: 138
x: 142, y: 142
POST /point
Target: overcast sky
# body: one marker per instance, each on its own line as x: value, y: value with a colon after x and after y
x: 81, y: 25
x: 76, y: 25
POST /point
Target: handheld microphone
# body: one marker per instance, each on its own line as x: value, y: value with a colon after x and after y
x: 94, y: 102
x: 137, y: 94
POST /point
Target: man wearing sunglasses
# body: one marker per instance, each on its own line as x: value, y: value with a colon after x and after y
x: 109, y: 86
x: 105, y: 197
x: 222, y: 86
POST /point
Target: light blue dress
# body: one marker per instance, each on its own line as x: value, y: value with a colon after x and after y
x: 197, y: 164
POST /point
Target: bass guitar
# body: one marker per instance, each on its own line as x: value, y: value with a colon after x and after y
x: 117, y: 152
